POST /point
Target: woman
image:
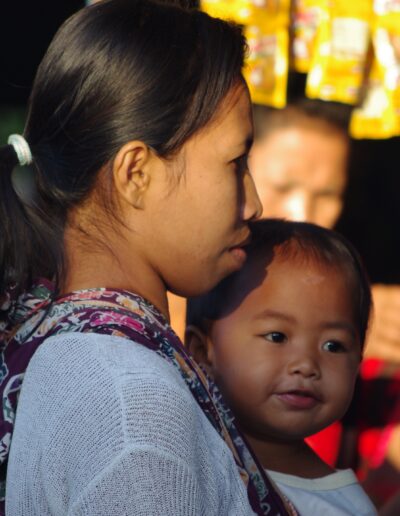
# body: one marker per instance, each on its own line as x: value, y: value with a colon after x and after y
x: 138, y: 131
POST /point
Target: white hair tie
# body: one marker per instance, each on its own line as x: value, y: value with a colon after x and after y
x: 21, y: 147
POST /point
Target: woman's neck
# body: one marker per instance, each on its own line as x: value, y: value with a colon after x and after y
x: 91, y: 265
x: 292, y: 457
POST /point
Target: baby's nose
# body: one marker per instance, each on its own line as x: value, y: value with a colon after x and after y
x: 306, y: 366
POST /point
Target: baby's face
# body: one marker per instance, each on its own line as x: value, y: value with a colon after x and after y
x: 287, y: 358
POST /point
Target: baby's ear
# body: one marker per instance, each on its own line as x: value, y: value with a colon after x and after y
x: 199, y: 346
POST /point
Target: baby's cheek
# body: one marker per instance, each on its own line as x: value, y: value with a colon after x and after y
x: 343, y: 389
x: 352, y: 370
x: 339, y: 376
x: 236, y: 385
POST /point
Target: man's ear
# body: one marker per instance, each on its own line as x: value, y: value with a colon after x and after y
x: 131, y: 172
x: 200, y: 346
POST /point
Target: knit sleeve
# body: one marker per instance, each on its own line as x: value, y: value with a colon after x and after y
x: 142, y: 481
x: 107, y: 427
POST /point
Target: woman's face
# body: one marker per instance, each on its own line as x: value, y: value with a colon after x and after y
x: 200, y: 219
x: 301, y: 173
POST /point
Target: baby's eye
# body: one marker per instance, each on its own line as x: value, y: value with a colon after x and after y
x: 275, y: 336
x: 333, y: 346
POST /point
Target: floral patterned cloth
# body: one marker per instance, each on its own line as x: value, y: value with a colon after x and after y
x: 121, y: 313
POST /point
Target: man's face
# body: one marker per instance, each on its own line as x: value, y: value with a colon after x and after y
x: 301, y: 173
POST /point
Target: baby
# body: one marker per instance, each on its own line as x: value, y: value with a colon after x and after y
x: 283, y: 340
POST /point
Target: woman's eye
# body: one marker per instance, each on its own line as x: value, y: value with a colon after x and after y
x: 275, y: 336
x: 334, y: 346
x: 241, y: 164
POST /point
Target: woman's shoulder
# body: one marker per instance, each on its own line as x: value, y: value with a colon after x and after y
x: 99, y: 378
x: 114, y: 356
x: 102, y: 368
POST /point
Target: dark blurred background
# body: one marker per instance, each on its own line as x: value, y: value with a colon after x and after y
x: 26, y: 29
x: 372, y: 210
x: 371, y: 216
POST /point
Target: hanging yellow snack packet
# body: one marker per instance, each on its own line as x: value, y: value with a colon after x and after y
x: 266, y: 27
x: 341, y: 51
x: 267, y: 67
x: 225, y: 9
x: 379, y: 115
x: 240, y: 11
x: 306, y: 15
x: 372, y: 118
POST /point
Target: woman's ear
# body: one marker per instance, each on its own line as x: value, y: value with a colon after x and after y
x: 200, y: 346
x: 131, y: 172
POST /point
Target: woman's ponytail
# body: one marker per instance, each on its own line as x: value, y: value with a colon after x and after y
x: 15, y: 228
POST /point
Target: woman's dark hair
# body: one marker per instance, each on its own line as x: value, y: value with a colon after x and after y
x: 290, y: 240
x: 116, y: 71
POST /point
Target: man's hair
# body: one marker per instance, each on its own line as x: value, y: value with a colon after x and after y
x: 290, y: 241
x: 332, y: 116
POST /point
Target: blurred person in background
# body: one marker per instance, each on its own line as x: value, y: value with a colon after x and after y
x: 299, y: 161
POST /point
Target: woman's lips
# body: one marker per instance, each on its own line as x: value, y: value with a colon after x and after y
x: 239, y: 254
x: 298, y: 399
x: 238, y: 251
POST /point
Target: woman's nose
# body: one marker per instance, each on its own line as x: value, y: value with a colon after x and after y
x: 252, y: 207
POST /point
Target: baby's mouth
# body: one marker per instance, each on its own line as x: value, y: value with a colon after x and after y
x: 298, y: 399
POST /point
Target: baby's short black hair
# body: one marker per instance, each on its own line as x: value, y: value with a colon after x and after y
x: 290, y: 241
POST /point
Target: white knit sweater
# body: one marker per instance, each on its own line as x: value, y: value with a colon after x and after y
x: 107, y: 427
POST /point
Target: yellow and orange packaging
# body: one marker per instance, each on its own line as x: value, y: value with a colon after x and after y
x: 266, y: 27
x: 342, y: 46
x: 305, y: 18
x: 379, y: 114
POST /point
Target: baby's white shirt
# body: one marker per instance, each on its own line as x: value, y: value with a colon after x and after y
x: 106, y: 427
x: 338, y: 494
